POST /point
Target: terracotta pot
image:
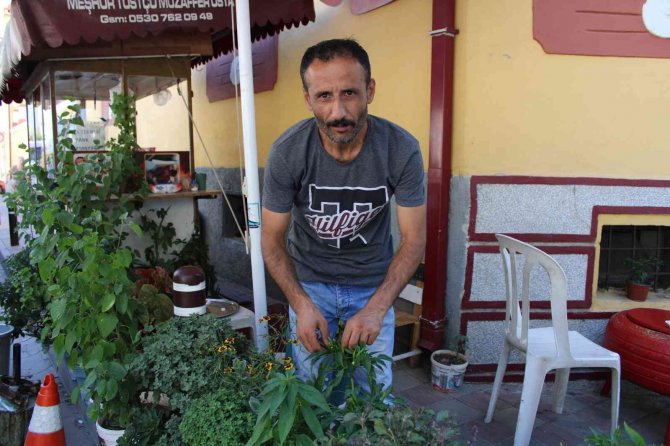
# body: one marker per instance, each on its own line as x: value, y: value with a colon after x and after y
x: 637, y: 291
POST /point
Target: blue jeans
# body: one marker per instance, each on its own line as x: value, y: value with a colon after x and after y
x: 340, y: 302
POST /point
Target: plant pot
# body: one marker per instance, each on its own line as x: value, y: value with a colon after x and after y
x: 108, y: 437
x: 447, y: 377
x: 637, y: 291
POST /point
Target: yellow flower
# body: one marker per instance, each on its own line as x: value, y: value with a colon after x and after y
x: 265, y: 318
x: 228, y: 370
x: 268, y: 366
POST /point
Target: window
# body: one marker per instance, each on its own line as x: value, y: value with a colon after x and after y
x: 229, y: 227
x: 619, y: 243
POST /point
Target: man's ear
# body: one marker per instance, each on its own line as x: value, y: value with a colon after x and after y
x: 371, y: 90
x: 308, y: 101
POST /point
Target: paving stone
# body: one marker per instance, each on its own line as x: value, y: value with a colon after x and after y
x: 460, y: 412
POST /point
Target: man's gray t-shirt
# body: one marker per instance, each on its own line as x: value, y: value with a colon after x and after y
x: 341, y: 220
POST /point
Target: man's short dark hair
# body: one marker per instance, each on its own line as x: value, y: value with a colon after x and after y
x: 330, y: 49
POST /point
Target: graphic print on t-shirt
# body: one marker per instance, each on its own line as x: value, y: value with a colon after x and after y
x: 341, y: 212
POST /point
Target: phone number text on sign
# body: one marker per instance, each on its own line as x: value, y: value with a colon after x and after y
x: 150, y: 18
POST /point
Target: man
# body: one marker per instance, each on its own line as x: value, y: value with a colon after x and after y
x: 328, y: 181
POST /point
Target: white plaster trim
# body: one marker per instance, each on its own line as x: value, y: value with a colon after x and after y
x: 185, y: 312
x: 182, y: 287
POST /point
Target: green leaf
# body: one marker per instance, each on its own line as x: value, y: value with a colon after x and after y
x: 91, y: 377
x: 635, y: 437
x: 70, y: 339
x: 48, y: 217
x: 380, y: 428
x: 46, y: 268
x: 311, y: 420
x: 117, y: 370
x: 303, y: 440
x: 286, y: 419
x: 75, y: 395
x: 122, y: 303
x: 135, y: 228
x: 313, y: 397
x: 107, y: 302
x: 112, y: 389
x: 77, y: 229
x: 106, y: 323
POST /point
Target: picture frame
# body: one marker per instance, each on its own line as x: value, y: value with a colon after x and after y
x: 167, y: 172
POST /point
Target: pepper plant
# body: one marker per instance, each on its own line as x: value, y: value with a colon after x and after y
x: 74, y: 220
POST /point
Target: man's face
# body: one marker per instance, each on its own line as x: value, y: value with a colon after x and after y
x: 338, y: 97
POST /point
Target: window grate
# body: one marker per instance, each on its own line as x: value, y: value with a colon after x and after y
x: 618, y: 243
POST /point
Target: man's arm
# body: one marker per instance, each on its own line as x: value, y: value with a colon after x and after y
x: 366, y: 324
x: 282, y: 270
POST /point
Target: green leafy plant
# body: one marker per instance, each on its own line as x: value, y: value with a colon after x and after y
x: 393, y: 426
x: 147, y: 427
x: 187, y: 358
x: 640, y: 268
x: 74, y: 220
x: 633, y: 438
x: 158, y: 307
x: 163, y: 236
x: 22, y: 295
x: 294, y: 412
x: 221, y: 417
x: 337, y: 366
x: 169, y: 252
x: 286, y: 406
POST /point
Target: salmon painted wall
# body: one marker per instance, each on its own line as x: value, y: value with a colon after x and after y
x: 519, y: 111
x: 396, y: 38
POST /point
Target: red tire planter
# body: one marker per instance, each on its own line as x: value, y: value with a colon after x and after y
x: 645, y: 352
x: 642, y: 339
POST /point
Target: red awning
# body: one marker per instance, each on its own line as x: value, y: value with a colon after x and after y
x: 43, y: 29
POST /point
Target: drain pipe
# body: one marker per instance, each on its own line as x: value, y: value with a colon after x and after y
x: 433, y: 319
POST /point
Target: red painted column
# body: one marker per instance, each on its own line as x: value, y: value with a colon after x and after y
x: 433, y: 318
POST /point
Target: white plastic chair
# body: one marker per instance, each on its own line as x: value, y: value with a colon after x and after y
x: 546, y: 348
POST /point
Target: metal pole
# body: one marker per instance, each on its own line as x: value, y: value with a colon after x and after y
x: 251, y: 169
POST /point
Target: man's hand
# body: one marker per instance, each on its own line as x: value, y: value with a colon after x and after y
x: 309, y: 321
x: 363, y: 326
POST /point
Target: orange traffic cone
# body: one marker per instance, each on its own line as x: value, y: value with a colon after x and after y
x: 46, y: 427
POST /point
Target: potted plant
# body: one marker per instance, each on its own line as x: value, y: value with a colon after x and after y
x: 75, y: 235
x: 290, y: 411
x: 448, y: 366
x: 637, y: 288
x: 22, y: 295
x: 182, y: 361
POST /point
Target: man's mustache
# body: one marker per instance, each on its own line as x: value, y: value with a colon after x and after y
x: 341, y: 123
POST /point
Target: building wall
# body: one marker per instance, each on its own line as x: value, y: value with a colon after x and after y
x: 396, y: 38
x: 520, y: 111
x: 547, y: 148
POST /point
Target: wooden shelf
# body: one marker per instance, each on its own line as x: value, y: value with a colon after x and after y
x: 205, y: 194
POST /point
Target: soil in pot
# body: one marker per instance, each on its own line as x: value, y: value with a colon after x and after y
x: 450, y: 358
